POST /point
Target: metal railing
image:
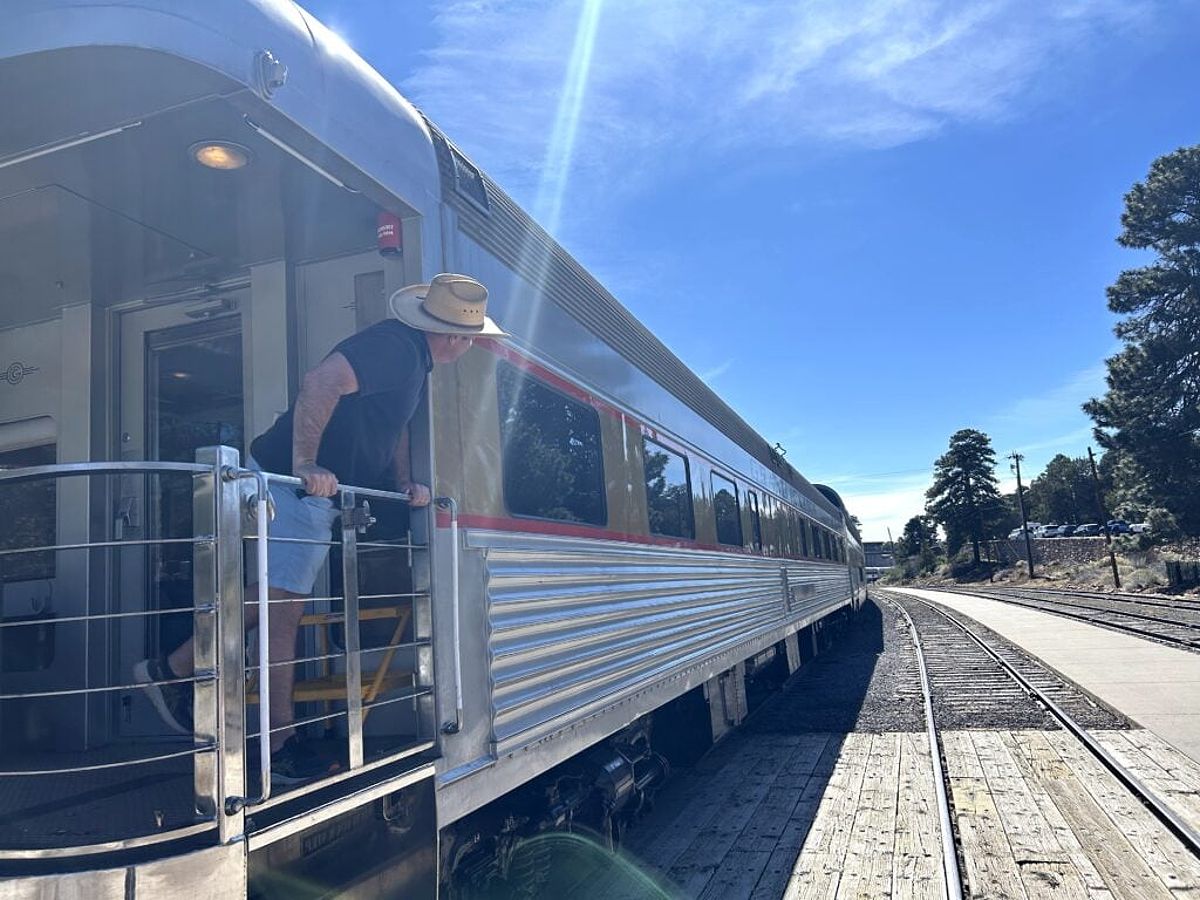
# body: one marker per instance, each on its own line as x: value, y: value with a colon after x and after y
x: 229, y: 525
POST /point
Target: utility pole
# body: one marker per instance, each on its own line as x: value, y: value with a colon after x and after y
x: 892, y: 544
x: 1016, y: 458
x: 1112, y: 556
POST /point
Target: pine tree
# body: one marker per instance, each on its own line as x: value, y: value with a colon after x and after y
x: 1063, y: 492
x: 964, y: 497
x: 1151, y: 411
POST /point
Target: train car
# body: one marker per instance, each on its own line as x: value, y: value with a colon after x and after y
x: 191, y: 205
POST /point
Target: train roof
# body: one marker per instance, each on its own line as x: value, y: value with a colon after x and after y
x: 331, y: 92
x: 342, y: 102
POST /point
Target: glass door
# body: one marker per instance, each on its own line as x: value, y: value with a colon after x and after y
x: 181, y: 389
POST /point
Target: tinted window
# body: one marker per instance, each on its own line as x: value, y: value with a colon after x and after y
x: 668, y: 491
x: 30, y: 517
x: 725, y: 504
x: 771, y: 513
x: 553, y: 466
x: 805, y: 538
x: 755, y: 520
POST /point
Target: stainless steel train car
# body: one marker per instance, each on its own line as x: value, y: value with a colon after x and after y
x: 190, y: 198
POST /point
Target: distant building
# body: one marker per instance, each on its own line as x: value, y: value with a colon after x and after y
x: 879, y: 555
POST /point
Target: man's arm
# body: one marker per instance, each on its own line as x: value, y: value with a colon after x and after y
x: 419, y: 494
x: 320, y: 392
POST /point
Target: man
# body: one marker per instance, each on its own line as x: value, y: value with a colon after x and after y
x: 349, y: 424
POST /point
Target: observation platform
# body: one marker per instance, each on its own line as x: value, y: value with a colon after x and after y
x: 1155, y: 685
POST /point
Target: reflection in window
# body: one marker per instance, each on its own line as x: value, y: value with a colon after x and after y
x: 755, y: 521
x: 30, y: 516
x: 552, y: 461
x: 668, y: 491
x: 725, y: 505
x: 805, y: 538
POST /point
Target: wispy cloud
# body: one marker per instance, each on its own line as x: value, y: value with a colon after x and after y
x: 702, y: 77
x: 708, y: 376
x: 1048, y: 420
x: 883, y: 502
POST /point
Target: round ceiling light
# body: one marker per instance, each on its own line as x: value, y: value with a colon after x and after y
x: 223, y: 155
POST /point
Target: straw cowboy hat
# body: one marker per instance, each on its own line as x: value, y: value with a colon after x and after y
x: 449, y: 304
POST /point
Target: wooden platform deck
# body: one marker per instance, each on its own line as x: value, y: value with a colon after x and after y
x: 830, y: 815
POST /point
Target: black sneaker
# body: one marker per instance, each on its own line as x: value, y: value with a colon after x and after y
x: 296, y: 762
x: 173, y: 702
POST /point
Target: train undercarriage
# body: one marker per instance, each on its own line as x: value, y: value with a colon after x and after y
x: 511, y: 848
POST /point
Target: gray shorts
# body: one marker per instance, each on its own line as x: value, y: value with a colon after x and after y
x: 294, y: 566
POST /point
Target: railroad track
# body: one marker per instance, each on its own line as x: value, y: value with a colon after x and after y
x: 1169, y: 622
x: 951, y: 655
x: 1160, y: 600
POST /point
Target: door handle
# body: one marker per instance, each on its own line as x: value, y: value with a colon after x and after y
x: 126, y: 517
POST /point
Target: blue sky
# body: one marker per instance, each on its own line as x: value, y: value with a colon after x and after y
x: 867, y: 223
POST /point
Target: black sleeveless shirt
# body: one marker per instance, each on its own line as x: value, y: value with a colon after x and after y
x: 390, y: 361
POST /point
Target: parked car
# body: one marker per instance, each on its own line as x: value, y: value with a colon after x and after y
x: 1066, y: 530
x: 1018, y: 534
x: 1047, y: 531
x: 1091, y: 529
x: 1118, y: 526
x: 1139, y: 528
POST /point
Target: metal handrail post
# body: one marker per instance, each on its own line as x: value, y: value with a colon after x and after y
x: 205, y: 624
x: 354, y: 719
x: 230, y: 645
x: 450, y: 504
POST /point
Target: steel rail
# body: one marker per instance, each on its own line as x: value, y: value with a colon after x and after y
x: 1080, y: 601
x: 64, y: 470
x: 292, y: 481
x: 950, y: 869
x: 94, y: 545
x: 330, y: 657
x: 1141, y: 616
x: 101, y: 617
x: 1029, y: 603
x: 136, y: 686
x: 1150, y: 599
x: 1176, y: 825
x: 1163, y: 601
x: 1144, y: 617
x: 119, y: 764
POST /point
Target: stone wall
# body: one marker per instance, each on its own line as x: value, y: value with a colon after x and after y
x: 1052, y: 550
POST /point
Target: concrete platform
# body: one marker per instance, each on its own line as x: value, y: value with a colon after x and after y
x: 1155, y: 685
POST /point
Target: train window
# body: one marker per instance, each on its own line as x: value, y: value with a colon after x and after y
x: 771, y: 529
x: 794, y: 526
x: 755, y: 521
x: 31, y: 518
x: 805, y: 538
x: 467, y: 180
x: 818, y: 543
x: 553, y: 467
x: 668, y: 491
x: 725, y: 505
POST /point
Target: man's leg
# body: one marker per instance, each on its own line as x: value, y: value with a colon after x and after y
x: 284, y: 626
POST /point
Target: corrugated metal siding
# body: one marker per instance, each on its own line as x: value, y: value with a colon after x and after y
x: 575, y: 624
x: 522, y: 244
